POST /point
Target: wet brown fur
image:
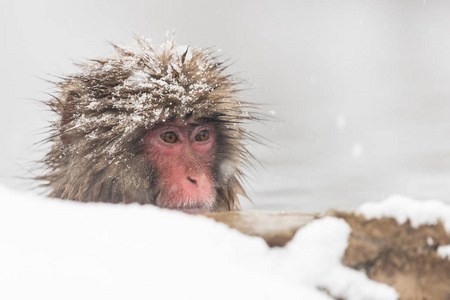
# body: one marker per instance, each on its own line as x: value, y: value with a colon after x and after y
x: 106, y: 109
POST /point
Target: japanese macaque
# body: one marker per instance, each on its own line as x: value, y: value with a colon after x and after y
x: 159, y: 126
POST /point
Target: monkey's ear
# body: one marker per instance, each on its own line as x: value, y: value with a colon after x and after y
x: 66, y: 116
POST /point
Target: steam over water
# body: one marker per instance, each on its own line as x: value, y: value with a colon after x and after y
x: 402, y: 151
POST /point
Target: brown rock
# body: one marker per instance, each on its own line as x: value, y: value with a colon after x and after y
x: 396, y: 254
x: 401, y: 256
x: 275, y: 228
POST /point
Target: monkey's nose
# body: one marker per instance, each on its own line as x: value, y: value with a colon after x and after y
x: 193, y: 181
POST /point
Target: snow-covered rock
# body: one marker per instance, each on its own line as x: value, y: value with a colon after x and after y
x: 57, y: 249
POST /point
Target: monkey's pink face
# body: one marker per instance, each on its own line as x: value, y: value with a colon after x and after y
x: 183, y: 154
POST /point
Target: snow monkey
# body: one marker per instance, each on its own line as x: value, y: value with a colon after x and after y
x: 150, y: 125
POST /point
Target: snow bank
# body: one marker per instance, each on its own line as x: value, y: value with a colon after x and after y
x: 56, y: 249
x: 403, y: 208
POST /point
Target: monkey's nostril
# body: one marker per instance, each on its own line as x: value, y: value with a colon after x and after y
x: 193, y: 181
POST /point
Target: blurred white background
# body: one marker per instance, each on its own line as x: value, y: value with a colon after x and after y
x: 360, y: 87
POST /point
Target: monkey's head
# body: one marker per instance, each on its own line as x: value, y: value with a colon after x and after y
x: 160, y: 126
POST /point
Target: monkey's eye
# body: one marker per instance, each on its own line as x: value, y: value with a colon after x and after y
x: 169, y: 137
x: 202, y: 136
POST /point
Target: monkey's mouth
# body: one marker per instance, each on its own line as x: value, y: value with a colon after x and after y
x: 190, y: 206
x: 196, y: 209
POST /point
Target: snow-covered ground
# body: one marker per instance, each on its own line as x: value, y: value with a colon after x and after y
x: 57, y: 249
x: 68, y: 250
x: 404, y: 208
